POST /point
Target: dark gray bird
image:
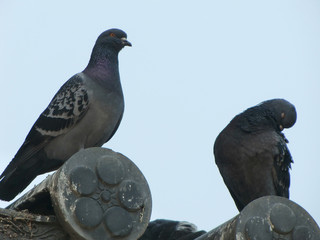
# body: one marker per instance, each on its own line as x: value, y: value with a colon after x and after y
x: 251, y: 152
x: 162, y: 229
x: 85, y: 112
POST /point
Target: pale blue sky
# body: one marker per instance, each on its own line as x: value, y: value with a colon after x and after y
x: 193, y: 66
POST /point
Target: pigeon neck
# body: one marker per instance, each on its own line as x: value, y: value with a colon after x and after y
x: 255, y: 119
x: 103, y: 67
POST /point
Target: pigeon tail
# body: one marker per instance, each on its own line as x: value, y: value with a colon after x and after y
x: 15, y: 182
x: 16, y: 177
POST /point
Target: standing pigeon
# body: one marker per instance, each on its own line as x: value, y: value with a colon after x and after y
x: 251, y: 152
x: 85, y: 112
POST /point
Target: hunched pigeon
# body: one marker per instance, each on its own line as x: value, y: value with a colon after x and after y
x: 251, y: 152
x: 85, y: 112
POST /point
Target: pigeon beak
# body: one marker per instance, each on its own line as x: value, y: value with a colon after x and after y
x: 280, y: 127
x: 125, y: 42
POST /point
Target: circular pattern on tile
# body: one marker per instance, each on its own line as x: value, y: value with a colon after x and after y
x: 130, y: 195
x: 105, y: 196
x: 257, y: 228
x: 101, y: 194
x: 83, y: 180
x: 302, y: 233
x: 274, y: 217
x: 282, y: 218
x: 118, y: 221
x: 111, y: 171
x: 88, y: 212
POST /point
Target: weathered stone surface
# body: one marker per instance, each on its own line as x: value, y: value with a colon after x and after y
x: 96, y: 194
x: 101, y: 194
x: 23, y: 225
x: 268, y: 218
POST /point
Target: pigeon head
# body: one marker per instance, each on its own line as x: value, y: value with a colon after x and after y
x: 112, y: 39
x: 283, y: 112
x: 106, y: 49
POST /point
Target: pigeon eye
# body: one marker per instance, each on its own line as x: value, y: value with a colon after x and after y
x: 112, y: 34
x: 282, y: 115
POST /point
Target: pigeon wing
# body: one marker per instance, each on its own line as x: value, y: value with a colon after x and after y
x: 281, y: 166
x: 66, y: 108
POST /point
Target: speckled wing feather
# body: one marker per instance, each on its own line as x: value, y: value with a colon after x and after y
x: 66, y: 108
x: 281, y: 166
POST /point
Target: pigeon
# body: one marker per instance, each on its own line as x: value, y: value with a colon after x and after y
x: 85, y: 112
x: 251, y: 152
x: 162, y: 229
